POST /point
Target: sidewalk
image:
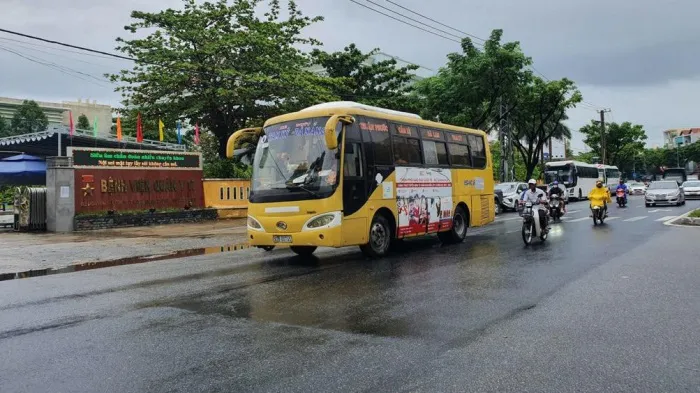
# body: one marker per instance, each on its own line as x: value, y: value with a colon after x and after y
x: 22, y: 251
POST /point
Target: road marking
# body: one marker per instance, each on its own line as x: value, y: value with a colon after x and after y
x: 658, y: 210
x: 580, y: 219
x: 635, y: 218
x: 572, y: 211
x: 666, y: 218
x: 510, y: 219
x: 611, y: 218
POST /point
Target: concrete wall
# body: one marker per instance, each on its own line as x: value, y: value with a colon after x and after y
x: 226, y: 193
x: 60, y: 199
x: 103, y: 221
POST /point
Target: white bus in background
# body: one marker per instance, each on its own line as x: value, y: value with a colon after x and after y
x: 579, y: 177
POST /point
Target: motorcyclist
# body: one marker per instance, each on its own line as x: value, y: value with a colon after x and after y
x: 555, y: 189
x: 600, y: 196
x: 622, y: 186
x: 535, y: 196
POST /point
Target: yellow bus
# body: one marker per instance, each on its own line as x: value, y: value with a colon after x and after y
x: 341, y: 174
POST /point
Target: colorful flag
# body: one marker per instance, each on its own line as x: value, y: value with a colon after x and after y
x: 139, y: 129
x: 179, y: 136
x: 72, y: 126
x: 119, y: 128
x: 160, y: 129
x: 94, y: 127
x: 196, y: 134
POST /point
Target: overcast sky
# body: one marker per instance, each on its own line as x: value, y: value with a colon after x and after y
x: 638, y: 58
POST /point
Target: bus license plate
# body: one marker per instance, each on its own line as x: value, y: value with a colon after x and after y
x: 281, y: 239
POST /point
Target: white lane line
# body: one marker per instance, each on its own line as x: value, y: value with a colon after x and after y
x: 666, y: 218
x: 635, y: 218
x: 579, y: 219
x: 611, y: 218
x: 572, y: 211
x: 510, y: 219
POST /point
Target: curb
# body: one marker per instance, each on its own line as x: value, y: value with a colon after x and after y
x: 673, y: 220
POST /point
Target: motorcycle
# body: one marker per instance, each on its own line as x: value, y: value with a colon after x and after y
x: 531, y: 224
x: 555, y: 207
x: 621, y: 197
x: 598, y: 214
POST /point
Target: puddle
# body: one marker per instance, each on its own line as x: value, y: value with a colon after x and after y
x: 123, y: 261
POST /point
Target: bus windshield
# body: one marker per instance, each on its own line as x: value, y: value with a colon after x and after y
x: 561, y: 173
x: 293, y: 162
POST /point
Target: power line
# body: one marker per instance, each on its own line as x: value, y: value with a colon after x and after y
x: 434, y: 21
x: 593, y: 106
x: 414, y: 20
x: 67, y: 45
x: 62, y: 69
x: 79, y: 52
x: 19, y: 44
x: 404, y: 22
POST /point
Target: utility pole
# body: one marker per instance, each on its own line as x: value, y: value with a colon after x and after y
x: 602, y: 133
x: 504, y: 137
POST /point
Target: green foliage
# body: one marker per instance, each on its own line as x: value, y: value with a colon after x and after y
x: 83, y: 123
x: 7, y: 193
x: 221, y: 65
x: 695, y: 213
x: 519, y: 170
x: 4, y: 128
x: 224, y: 168
x: 379, y: 83
x: 624, y: 142
x: 28, y: 118
x: 586, y: 157
x: 540, y: 109
x: 467, y: 91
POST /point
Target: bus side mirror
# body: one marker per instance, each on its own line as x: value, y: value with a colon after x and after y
x: 331, y: 125
x: 233, y: 140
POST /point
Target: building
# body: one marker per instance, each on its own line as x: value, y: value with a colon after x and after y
x: 59, y: 113
x: 680, y: 136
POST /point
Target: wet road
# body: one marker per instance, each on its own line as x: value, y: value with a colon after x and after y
x: 609, y: 308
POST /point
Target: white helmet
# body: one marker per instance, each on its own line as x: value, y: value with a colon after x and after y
x: 532, y: 181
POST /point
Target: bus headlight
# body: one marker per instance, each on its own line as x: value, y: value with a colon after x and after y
x: 323, y: 221
x: 253, y: 224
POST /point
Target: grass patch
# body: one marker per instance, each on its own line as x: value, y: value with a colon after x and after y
x: 695, y: 213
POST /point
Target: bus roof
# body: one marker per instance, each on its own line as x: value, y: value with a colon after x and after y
x: 351, y: 108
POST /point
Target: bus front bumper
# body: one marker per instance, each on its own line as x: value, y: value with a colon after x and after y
x: 327, y: 237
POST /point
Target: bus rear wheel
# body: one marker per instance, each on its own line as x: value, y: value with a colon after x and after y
x: 303, y: 251
x: 380, y: 238
x: 459, y: 228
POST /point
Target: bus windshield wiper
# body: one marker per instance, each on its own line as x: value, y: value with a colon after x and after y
x: 292, y: 186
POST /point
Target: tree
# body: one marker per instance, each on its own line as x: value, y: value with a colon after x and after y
x: 623, y: 142
x: 83, y: 123
x: 28, y: 118
x: 469, y: 89
x: 540, y: 109
x: 4, y: 128
x: 215, y: 166
x: 519, y: 169
x: 379, y: 83
x: 221, y: 65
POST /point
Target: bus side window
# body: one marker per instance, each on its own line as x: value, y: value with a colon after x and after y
x: 459, y: 154
x: 435, y: 153
x: 406, y: 150
x: 478, y: 152
x: 353, y: 160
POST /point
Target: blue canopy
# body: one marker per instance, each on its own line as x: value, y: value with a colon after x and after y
x: 22, y: 169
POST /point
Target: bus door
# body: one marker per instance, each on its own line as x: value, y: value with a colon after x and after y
x: 354, y: 187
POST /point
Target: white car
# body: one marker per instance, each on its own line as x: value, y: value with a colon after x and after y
x: 691, y: 189
x: 511, y: 193
x: 637, y: 188
x: 664, y: 192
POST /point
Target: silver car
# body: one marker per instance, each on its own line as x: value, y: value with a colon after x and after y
x: 665, y: 192
x: 691, y: 189
x: 637, y: 188
x: 511, y: 193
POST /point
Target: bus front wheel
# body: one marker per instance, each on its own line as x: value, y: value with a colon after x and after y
x: 304, y: 251
x: 459, y: 228
x: 379, y: 238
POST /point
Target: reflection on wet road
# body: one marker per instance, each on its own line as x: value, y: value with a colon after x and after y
x: 252, y: 320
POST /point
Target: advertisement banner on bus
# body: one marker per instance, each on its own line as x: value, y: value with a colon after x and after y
x: 423, y: 199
